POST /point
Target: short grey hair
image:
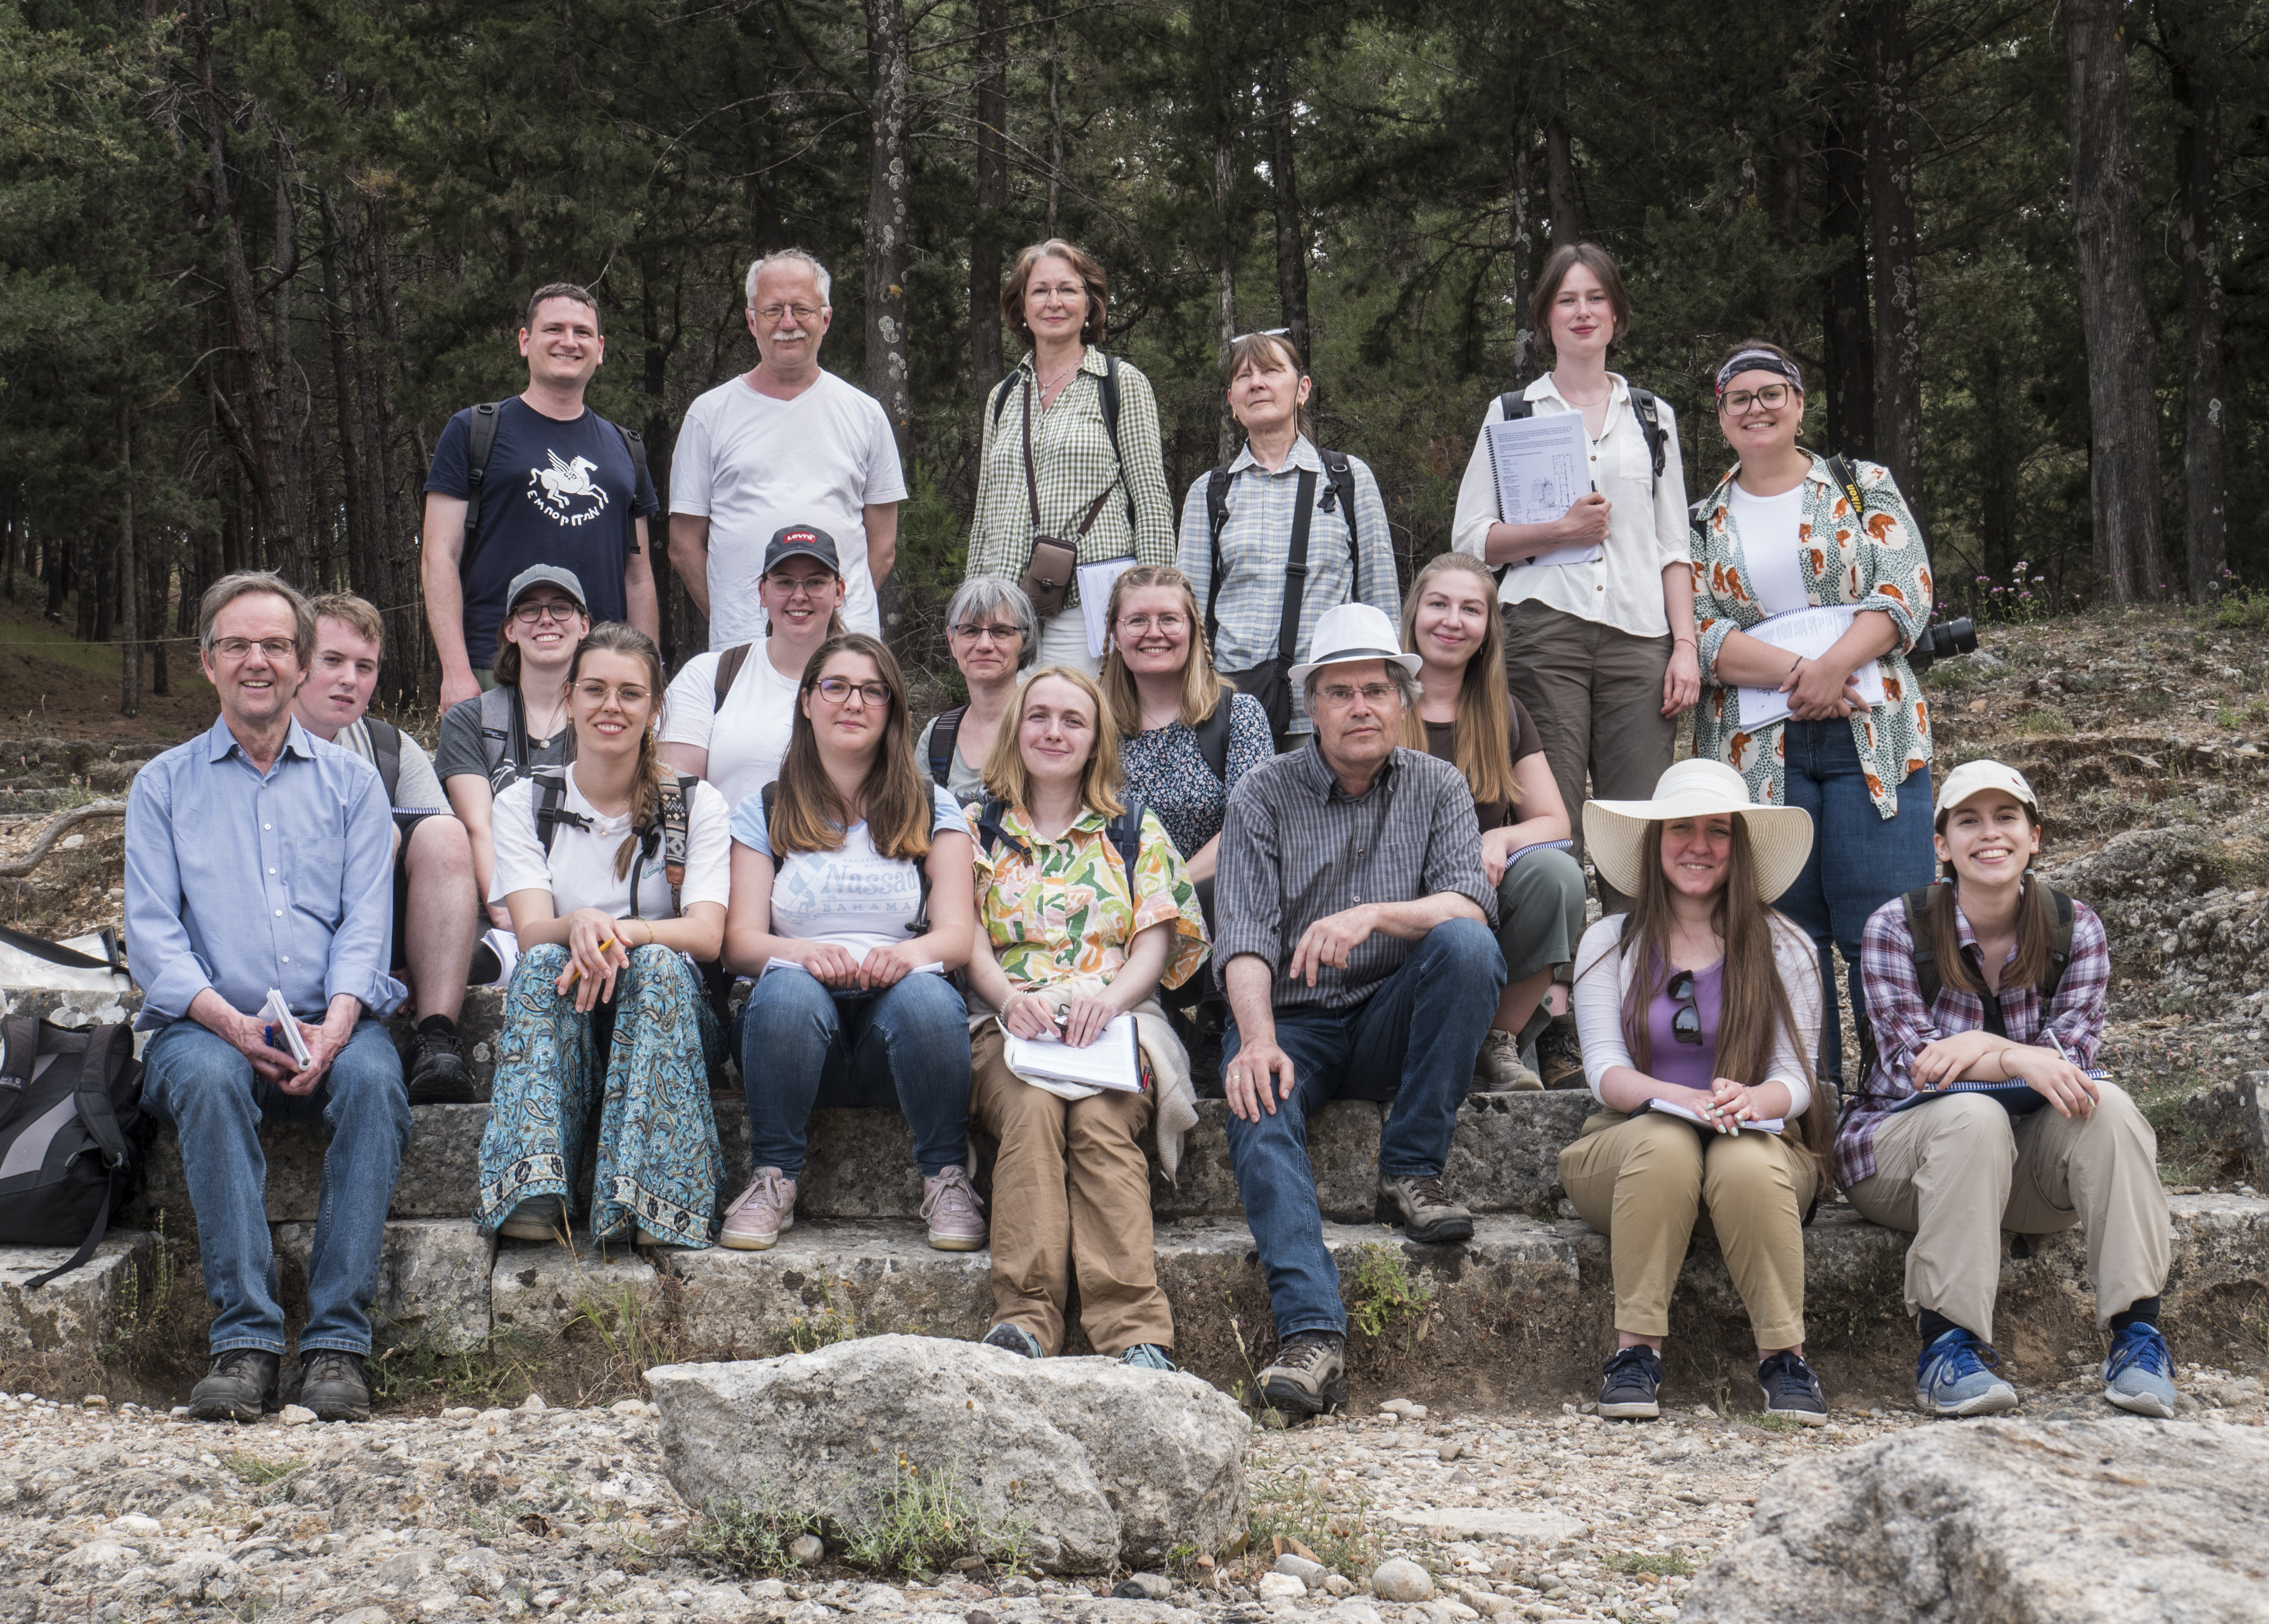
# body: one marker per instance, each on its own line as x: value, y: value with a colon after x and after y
x: 244, y: 584
x: 995, y: 595
x: 1405, y: 684
x: 794, y: 257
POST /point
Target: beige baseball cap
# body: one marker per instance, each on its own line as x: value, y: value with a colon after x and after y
x: 1973, y: 778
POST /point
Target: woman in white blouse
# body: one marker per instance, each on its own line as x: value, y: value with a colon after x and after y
x: 1602, y: 650
x: 604, y: 1011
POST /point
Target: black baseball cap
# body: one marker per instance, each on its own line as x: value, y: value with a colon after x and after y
x: 806, y: 541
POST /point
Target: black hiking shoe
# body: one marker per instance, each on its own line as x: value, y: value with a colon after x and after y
x: 1634, y: 1377
x: 438, y: 1073
x: 239, y: 1387
x: 332, y: 1383
x: 1308, y: 1376
x: 1792, y: 1390
x: 1424, y: 1209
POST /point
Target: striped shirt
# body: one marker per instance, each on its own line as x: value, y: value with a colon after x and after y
x: 1296, y: 847
x: 1072, y: 464
x: 1256, y: 542
x: 1902, y: 1026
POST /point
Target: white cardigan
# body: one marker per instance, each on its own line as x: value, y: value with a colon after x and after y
x: 1603, y: 975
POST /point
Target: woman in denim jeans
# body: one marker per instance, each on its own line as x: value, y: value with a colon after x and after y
x: 852, y: 896
x: 1843, y: 732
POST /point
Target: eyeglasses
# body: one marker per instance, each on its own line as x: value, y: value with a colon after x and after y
x: 1773, y: 397
x: 1341, y: 694
x: 237, y: 648
x: 594, y: 693
x: 1168, y: 624
x: 801, y: 313
x: 1686, y: 1025
x: 976, y: 633
x: 838, y: 690
x: 528, y: 614
x: 800, y: 585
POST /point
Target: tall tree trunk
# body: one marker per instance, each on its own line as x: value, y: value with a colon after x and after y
x: 1560, y: 182
x: 1055, y: 127
x: 1898, y: 292
x: 1225, y: 203
x: 1291, y: 236
x: 1847, y: 331
x: 1526, y: 345
x: 2114, y: 320
x: 890, y: 190
x: 154, y: 570
x: 2197, y: 159
x: 394, y: 513
x: 365, y: 567
x: 985, y: 233
x: 299, y: 512
x: 130, y: 576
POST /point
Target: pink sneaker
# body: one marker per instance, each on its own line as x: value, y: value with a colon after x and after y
x: 951, y: 1207
x: 767, y: 1206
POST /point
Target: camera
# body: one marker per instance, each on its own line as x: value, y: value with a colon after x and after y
x: 1943, y: 641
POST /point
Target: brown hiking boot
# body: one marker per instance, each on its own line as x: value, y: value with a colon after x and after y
x: 1497, y: 1068
x: 1308, y: 1376
x: 1560, y: 1054
x: 1424, y: 1209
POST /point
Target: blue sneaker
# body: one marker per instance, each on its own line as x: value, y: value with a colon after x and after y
x: 1634, y: 1377
x: 1954, y: 1377
x: 2139, y: 1374
x: 1147, y: 1356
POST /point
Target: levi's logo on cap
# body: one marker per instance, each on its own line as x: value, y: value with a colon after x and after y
x: 791, y: 537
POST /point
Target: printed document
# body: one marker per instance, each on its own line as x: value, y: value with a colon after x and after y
x: 1095, y: 583
x: 1542, y: 466
x: 1810, y: 632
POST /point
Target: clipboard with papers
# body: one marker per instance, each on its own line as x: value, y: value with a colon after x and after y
x: 1113, y: 1060
x: 1541, y: 465
x: 2018, y: 1099
x: 1810, y: 632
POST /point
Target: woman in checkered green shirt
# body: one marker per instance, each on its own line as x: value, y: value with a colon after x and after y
x: 1056, y: 296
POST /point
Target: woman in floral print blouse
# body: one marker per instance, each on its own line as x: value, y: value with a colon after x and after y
x: 1777, y: 535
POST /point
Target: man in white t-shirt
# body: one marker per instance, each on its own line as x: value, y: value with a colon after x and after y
x: 784, y: 443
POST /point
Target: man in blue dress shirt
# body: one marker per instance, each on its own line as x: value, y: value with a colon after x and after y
x: 260, y: 858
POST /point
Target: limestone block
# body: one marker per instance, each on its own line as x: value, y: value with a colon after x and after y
x: 828, y: 1281
x: 1342, y: 1150
x: 439, y: 1177
x: 73, y: 1320
x: 1107, y: 1465
x: 543, y: 1287
x: 432, y: 1281
x: 859, y: 1161
x: 2110, y: 1522
x: 1504, y: 1156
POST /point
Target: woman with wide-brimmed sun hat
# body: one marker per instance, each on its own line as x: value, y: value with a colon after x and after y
x: 1699, y: 1012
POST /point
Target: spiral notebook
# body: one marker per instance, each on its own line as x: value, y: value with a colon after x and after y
x: 1542, y: 464
x: 2018, y: 1099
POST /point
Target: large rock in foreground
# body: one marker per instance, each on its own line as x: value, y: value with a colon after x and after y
x: 1095, y: 1464
x: 2110, y: 1521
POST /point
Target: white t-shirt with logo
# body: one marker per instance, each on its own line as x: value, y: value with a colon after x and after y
x: 746, y: 736
x: 1767, y: 525
x: 752, y: 466
x: 579, y: 872
x: 852, y: 897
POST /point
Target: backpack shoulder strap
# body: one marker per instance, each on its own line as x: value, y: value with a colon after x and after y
x: 1513, y: 404
x: 1213, y: 738
x: 1001, y: 398
x: 1916, y: 903
x: 1218, y: 484
x: 386, y: 745
x: 103, y: 1063
x: 498, y: 741
x: 728, y: 672
x: 2059, y: 945
x: 1342, y: 474
x: 634, y: 443
x: 944, y: 733
x: 1648, y: 411
x: 551, y: 805
x: 1125, y: 833
x: 990, y: 835
x: 482, y: 442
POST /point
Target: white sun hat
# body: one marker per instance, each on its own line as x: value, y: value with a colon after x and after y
x: 1975, y: 777
x: 1354, y: 631
x: 1614, y: 832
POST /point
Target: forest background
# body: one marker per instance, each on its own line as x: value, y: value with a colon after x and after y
x: 253, y: 254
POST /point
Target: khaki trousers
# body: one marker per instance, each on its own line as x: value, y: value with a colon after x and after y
x: 1644, y: 1181
x: 1956, y: 1172
x: 1071, y: 1199
x: 1595, y: 695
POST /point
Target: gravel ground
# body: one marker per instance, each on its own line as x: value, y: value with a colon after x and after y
x: 136, y: 1515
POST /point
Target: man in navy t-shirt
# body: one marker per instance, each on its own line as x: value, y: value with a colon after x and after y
x: 558, y: 489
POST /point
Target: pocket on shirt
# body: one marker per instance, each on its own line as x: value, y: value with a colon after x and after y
x: 317, y: 875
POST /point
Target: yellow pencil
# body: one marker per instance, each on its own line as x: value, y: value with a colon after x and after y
x: 575, y: 972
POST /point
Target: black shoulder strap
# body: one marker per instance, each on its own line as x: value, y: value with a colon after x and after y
x: 2059, y: 945
x: 55, y: 953
x: 944, y: 733
x: 1218, y: 484
x: 1847, y: 481
x: 1513, y: 403
x: 499, y: 735
x: 386, y: 745
x: 1001, y: 398
x: 1295, y: 570
x: 103, y: 1063
x: 1927, y: 981
x: 1213, y: 738
x: 990, y: 835
x: 551, y: 806
x: 1342, y: 474
x: 634, y: 443
x: 728, y: 672
x: 483, y: 441
x: 1649, y: 413
x: 1125, y: 833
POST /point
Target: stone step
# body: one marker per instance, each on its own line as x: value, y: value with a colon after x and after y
x: 1504, y: 1157
x: 1522, y: 1314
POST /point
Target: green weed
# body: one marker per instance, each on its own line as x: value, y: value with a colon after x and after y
x: 927, y: 1519
x: 749, y: 1538
x: 1951, y: 673
x: 493, y: 1372
x: 1383, y: 1291
x: 802, y: 1335
x: 1289, y: 1507
x: 254, y: 1471
x: 1670, y: 1567
x: 2047, y: 719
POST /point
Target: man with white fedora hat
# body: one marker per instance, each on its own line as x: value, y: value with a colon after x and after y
x: 1360, y: 964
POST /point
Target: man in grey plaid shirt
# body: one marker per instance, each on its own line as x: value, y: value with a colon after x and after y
x: 1360, y: 963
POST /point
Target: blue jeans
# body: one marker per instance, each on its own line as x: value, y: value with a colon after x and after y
x: 1875, y: 861
x: 1424, y: 1026
x: 196, y: 1080
x: 801, y: 1042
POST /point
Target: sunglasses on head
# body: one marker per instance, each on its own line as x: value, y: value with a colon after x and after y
x: 1686, y: 1025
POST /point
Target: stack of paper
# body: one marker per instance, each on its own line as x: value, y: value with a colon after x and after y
x: 284, y: 1027
x: 1114, y: 1061
x: 1542, y: 466
x: 1810, y: 632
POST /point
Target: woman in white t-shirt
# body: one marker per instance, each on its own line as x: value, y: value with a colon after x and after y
x: 604, y: 1010
x: 853, y: 893
x: 737, y: 743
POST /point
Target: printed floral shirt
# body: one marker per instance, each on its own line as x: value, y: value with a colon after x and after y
x: 1875, y: 559
x: 1060, y: 908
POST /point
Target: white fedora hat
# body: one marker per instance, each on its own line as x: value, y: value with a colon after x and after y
x: 1614, y: 832
x: 1354, y: 631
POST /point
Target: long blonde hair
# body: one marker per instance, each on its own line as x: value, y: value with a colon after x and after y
x: 1481, y: 735
x: 1007, y: 778
x: 808, y: 812
x: 650, y: 778
x: 1204, y: 689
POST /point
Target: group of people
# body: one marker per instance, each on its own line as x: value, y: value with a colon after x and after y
x: 1264, y: 784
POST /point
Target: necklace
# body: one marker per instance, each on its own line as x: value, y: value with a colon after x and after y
x: 1601, y: 400
x: 1048, y: 388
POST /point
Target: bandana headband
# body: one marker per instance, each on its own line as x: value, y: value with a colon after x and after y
x: 1759, y: 361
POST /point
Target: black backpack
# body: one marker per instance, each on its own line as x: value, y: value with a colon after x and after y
x: 386, y: 750
x: 71, y: 1134
x: 945, y: 733
x: 483, y: 441
x: 669, y: 837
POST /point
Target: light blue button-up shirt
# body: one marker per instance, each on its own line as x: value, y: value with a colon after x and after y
x: 241, y: 881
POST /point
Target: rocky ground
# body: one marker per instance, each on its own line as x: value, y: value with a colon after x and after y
x: 133, y: 1513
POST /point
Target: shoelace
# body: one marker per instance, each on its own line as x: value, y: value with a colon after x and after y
x: 1788, y: 1365
x: 1302, y: 1351
x: 1967, y: 1357
x: 954, y: 1192
x: 1626, y: 1357
x: 2139, y: 1344
x: 762, y: 1187
x: 1429, y: 1192
x: 327, y: 1365
x: 227, y: 1364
